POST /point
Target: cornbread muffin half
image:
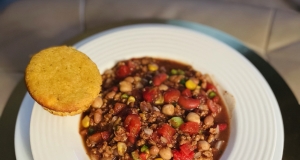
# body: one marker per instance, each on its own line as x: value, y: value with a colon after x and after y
x: 63, y: 80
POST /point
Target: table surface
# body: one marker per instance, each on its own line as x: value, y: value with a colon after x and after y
x: 288, y: 104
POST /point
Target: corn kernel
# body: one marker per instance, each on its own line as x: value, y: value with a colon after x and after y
x: 85, y: 122
x: 117, y: 121
x: 159, y: 100
x: 143, y: 116
x: 190, y: 85
x: 130, y: 99
x: 152, y: 67
x: 121, y: 148
x: 158, y: 159
x: 196, y: 91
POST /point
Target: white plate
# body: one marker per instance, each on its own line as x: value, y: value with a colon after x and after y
x: 22, y: 142
x: 256, y: 124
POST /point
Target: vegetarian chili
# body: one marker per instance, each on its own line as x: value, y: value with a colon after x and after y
x: 153, y: 108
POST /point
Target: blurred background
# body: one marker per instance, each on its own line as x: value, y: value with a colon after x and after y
x: 269, y: 27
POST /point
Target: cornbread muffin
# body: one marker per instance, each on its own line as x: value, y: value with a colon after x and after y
x: 63, y: 80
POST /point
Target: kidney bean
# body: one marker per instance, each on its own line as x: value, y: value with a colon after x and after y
x: 188, y: 103
x: 202, y: 99
x: 159, y: 79
x: 171, y: 95
x: 118, y: 107
x: 145, y: 106
x: 212, y: 106
x: 150, y: 94
x: 123, y: 71
x: 186, y: 92
x: 96, y: 137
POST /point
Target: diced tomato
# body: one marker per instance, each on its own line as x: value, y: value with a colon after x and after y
x: 212, y: 106
x: 105, y: 135
x: 131, y: 65
x: 123, y: 71
x: 150, y: 94
x: 171, y: 95
x: 166, y: 131
x: 159, y: 79
x: 202, y: 98
x: 155, y: 137
x: 190, y: 127
x: 182, y: 155
x: 143, y: 156
x: 190, y: 156
x: 186, y: 92
x: 188, y: 103
x: 216, y: 99
x: 133, y: 126
x: 187, y: 148
x: 177, y: 155
x: 212, y: 87
x: 222, y: 126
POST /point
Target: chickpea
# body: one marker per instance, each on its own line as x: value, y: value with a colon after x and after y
x: 94, y: 156
x: 204, y: 84
x: 168, y: 109
x: 203, y: 146
x: 139, y: 85
x: 209, y: 120
x: 195, y: 80
x: 211, y: 138
x: 193, y: 117
x: 154, y: 151
x: 163, y: 87
x: 137, y: 79
x: 165, y: 153
x: 117, y: 96
x: 98, y: 102
x: 172, y: 78
x: 110, y: 95
x: 97, y: 117
x: 129, y: 79
x: 125, y: 86
x: 178, y: 78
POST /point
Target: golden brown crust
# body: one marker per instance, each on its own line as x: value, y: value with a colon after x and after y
x: 63, y: 80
